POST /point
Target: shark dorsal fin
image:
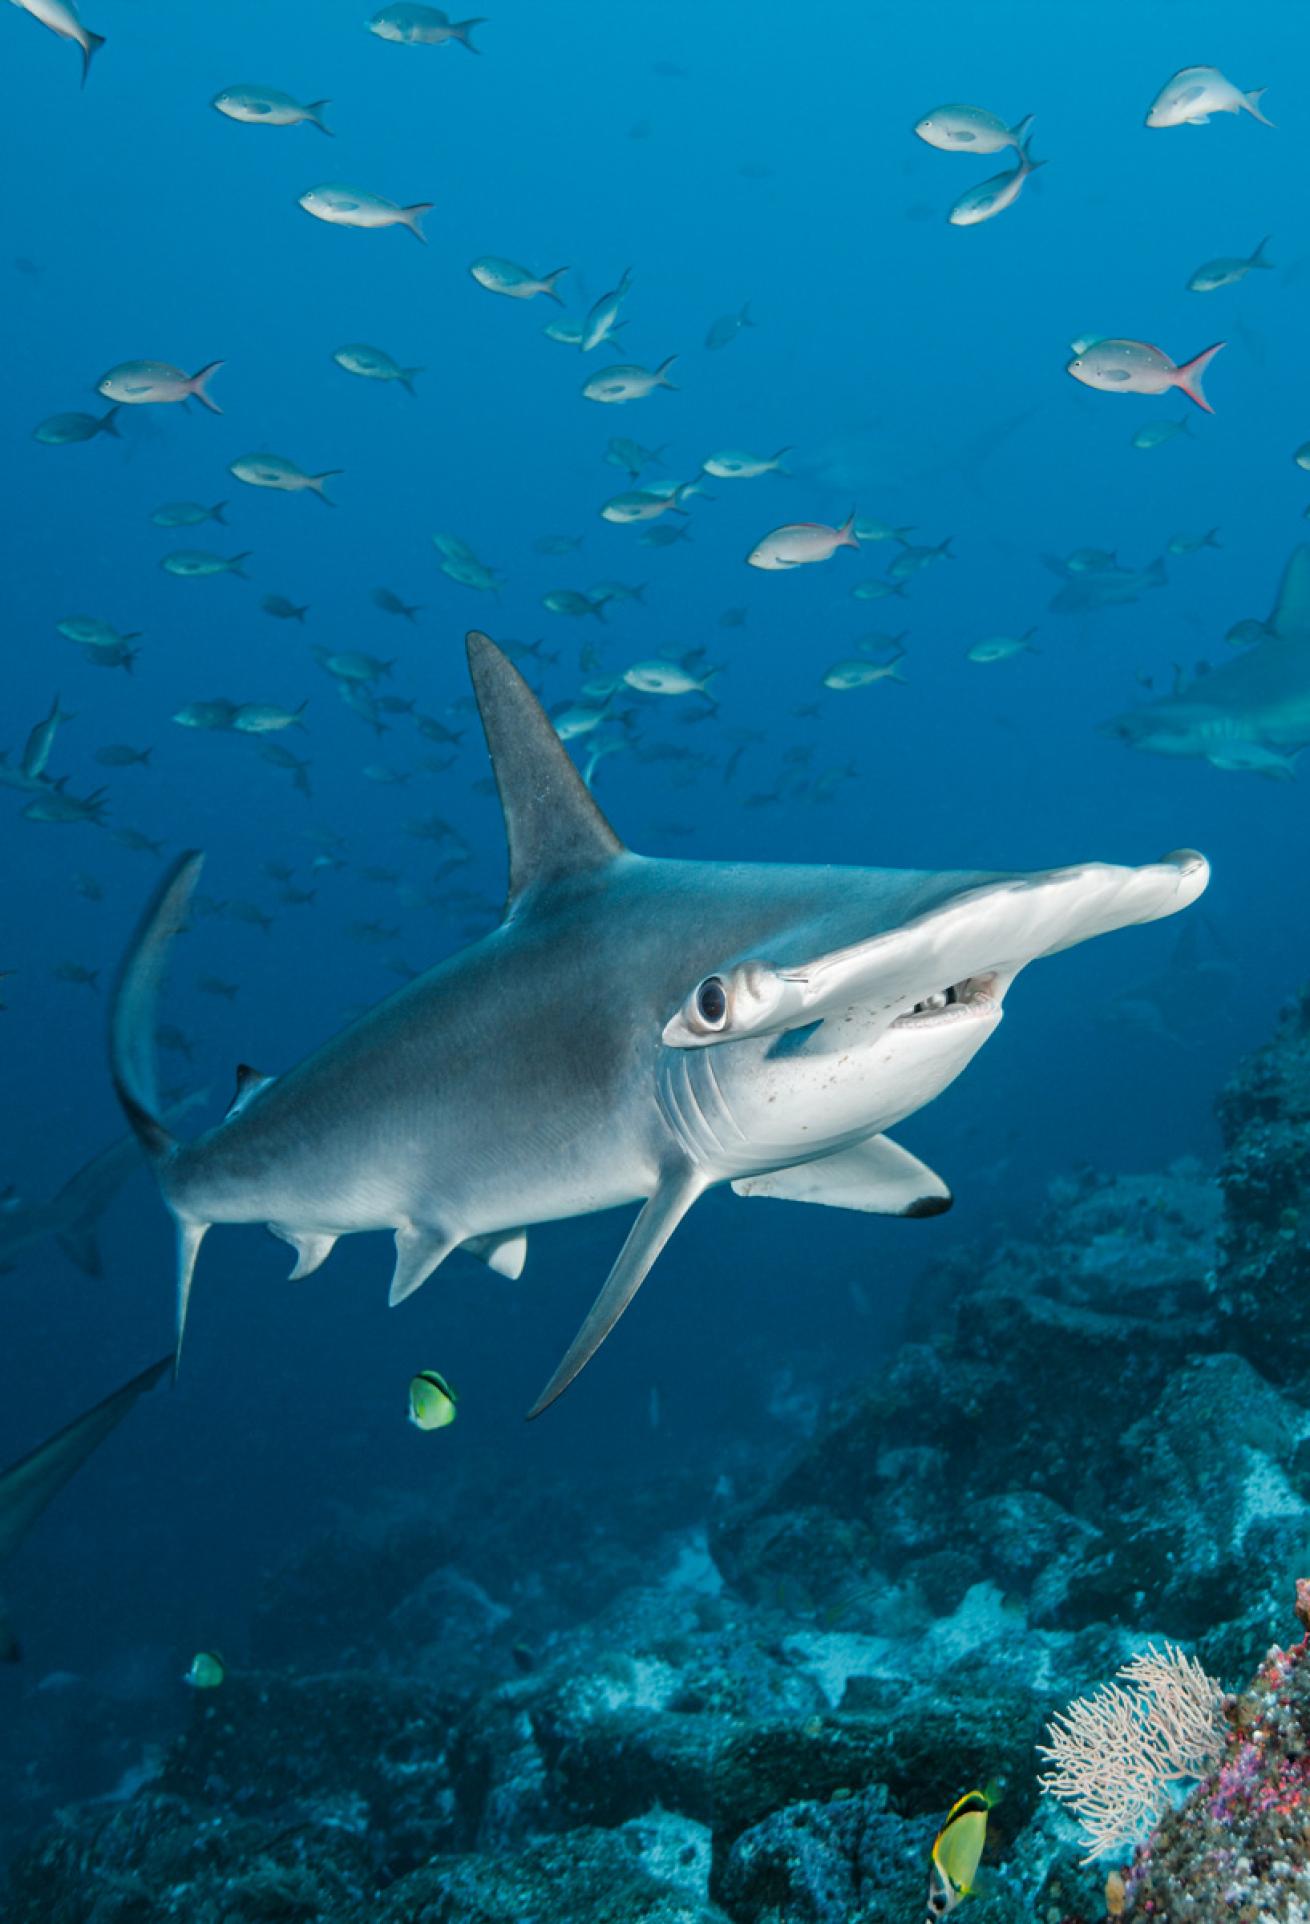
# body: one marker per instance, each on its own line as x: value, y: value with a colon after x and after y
x: 1290, y: 619
x: 553, y: 826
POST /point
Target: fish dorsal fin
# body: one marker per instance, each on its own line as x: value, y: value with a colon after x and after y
x: 553, y: 826
x: 1290, y: 619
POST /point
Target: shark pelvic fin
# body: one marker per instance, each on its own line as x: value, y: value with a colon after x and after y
x: 189, y: 1238
x: 312, y: 1248
x: 505, y: 1253
x: 553, y: 827
x: 647, y: 1237
x: 418, y: 1252
x: 877, y: 1176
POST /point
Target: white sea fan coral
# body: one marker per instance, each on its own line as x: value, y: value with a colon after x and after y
x: 1114, y: 1754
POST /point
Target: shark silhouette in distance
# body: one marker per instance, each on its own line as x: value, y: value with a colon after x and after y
x: 27, y: 1486
x: 634, y: 1031
x: 1253, y: 712
x: 72, y: 1215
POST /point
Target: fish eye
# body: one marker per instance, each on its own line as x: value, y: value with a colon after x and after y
x: 712, y: 1002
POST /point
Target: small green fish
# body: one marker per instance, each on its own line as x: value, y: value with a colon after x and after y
x: 193, y: 564
x: 206, y: 1671
x: 374, y: 364
x: 431, y: 1401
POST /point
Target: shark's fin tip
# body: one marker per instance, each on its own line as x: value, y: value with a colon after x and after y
x: 552, y: 824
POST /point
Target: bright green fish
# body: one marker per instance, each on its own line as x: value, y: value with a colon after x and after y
x: 431, y: 1401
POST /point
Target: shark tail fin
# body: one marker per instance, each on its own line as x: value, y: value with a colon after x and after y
x: 134, y: 1006
x: 656, y: 1223
x: 132, y: 1045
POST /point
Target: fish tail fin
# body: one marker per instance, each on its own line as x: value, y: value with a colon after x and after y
x: 407, y: 376
x: 744, y: 318
x: 109, y: 422
x: 1192, y: 373
x: 1210, y: 539
x: 316, y: 484
x: 413, y: 214
x: 462, y: 30
x: 1021, y: 132
x: 1252, y: 101
x: 234, y: 566
x: 777, y: 461
x: 313, y: 114
x: 662, y: 373
x: 219, y: 513
x: 196, y: 386
x: 846, y: 535
x: 134, y: 1005
x: 1259, y: 258
x: 95, y: 41
x: 548, y: 280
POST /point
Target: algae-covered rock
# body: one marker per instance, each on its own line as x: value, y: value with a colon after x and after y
x: 848, y: 1860
x: 583, y: 1877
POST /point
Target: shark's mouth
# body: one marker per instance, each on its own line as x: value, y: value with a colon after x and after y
x: 975, y: 998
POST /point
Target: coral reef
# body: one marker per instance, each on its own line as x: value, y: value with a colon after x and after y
x: 1093, y: 1438
x: 1239, y: 1847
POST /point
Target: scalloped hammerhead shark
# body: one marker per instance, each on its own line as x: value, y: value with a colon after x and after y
x: 635, y: 1030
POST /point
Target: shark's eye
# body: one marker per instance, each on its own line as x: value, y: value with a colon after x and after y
x: 712, y: 1002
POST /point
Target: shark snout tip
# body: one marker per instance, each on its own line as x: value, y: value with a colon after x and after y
x: 1190, y: 863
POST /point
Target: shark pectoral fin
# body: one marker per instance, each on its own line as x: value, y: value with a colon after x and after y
x: 189, y: 1238
x: 647, y: 1237
x: 419, y: 1250
x: 877, y: 1176
x: 312, y: 1248
x: 505, y: 1252
x: 79, y: 1244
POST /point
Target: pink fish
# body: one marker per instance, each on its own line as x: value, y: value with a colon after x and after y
x: 1134, y: 367
x: 802, y: 541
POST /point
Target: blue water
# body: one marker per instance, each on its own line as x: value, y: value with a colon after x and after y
x: 916, y: 370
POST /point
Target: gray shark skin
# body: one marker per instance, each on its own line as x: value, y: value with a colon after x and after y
x: 635, y: 1030
x: 1260, y: 697
x: 27, y: 1486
